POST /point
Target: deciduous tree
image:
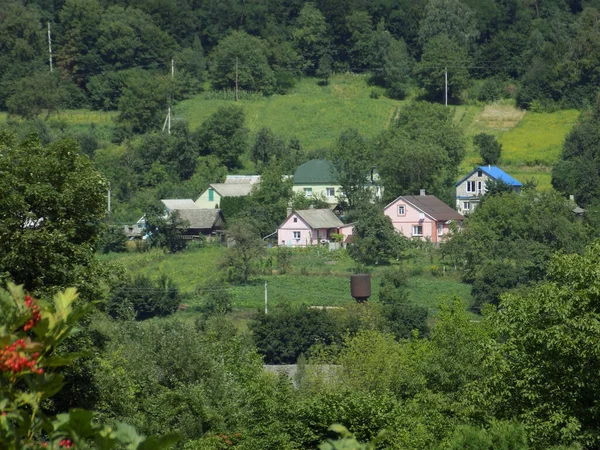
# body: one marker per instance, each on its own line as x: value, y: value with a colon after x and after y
x: 51, y: 208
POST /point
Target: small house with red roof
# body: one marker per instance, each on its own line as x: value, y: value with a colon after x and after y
x: 422, y: 216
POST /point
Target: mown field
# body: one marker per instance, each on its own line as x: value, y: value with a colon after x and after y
x: 316, y: 277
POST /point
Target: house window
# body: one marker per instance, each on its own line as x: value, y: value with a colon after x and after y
x: 330, y: 192
x: 466, y: 206
x: 479, y: 191
x: 211, y: 195
x: 417, y: 230
x: 440, y: 229
x: 470, y: 186
x: 295, y: 219
x: 296, y: 235
x: 308, y: 192
x: 401, y: 210
x: 479, y: 173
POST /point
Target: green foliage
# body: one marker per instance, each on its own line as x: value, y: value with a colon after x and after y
x: 267, y: 148
x: 224, y: 136
x: 246, y: 54
x: 374, y: 237
x: 439, y: 53
x: 268, y: 202
x: 422, y: 151
x: 351, y: 163
x: 495, y: 278
x: 143, y: 103
x: 543, y: 354
x: 233, y: 206
x: 450, y: 18
x: 501, y: 435
x: 113, y: 239
x: 52, y: 205
x: 577, y: 171
x: 141, y: 298
x: 30, y: 332
x: 41, y: 91
x: 324, y: 68
x: 519, y: 233
x: 310, y: 37
x: 165, y: 231
x: 287, y: 332
x: 284, y: 257
x: 489, y: 148
x: 218, y: 299
x: 244, y: 253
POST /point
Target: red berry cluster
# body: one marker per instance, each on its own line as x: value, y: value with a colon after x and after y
x: 35, y: 313
x: 15, y: 361
x: 66, y: 443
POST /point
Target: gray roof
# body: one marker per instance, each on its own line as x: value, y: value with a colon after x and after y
x: 432, y: 206
x: 179, y: 203
x: 232, y: 189
x: 202, y: 219
x: 319, y: 218
x: 242, y: 179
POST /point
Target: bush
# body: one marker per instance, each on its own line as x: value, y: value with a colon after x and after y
x: 286, y: 332
x: 489, y: 148
x: 141, y: 298
x: 491, y: 90
x: 113, y: 240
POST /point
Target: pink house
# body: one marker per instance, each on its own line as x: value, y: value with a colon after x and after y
x: 422, y: 216
x: 308, y: 227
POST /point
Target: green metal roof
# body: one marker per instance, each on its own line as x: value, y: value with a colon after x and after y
x: 314, y: 171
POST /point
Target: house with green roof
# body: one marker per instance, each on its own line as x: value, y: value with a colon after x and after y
x: 316, y: 178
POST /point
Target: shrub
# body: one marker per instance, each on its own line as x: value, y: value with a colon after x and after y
x: 141, y: 298
x: 112, y: 240
x: 286, y: 332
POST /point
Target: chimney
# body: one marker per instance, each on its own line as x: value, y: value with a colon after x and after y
x: 423, y: 192
x: 289, y: 211
x: 572, y: 198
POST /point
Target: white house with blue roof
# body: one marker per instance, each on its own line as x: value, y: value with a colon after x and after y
x: 471, y: 188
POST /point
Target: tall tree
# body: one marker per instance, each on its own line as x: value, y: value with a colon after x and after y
x: 310, y: 37
x: 267, y: 147
x: 489, y: 148
x: 450, y: 18
x: 441, y: 53
x: 51, y: 208
x: 242, y: 57
x: 421, y: 151
x: 352, y: 161
x: 224, y: 135
x: 143, y: 104
x: 578, y: 170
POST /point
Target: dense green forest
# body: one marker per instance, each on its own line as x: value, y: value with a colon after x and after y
x: 544, y: 52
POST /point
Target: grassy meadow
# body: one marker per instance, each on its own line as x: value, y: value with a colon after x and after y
x: 316, y: 277
x: 316, y: 115
x: 312, y: 113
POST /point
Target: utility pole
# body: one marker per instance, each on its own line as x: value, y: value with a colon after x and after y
x: 50, y: 46
x: 236, y: 79
x: 109, y: 199
x: 266, y: 300
x: 446, y: 85
x: 167, y: 123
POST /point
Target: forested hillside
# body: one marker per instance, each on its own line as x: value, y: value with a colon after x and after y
x: 107, y: 54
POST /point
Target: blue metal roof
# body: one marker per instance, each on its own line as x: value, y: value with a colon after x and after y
x: 496, y: 173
